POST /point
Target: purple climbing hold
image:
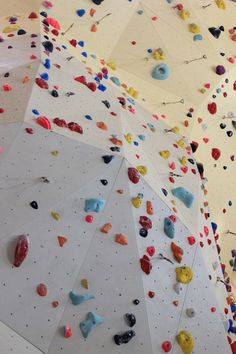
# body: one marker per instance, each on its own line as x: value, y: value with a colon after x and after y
x: 220, y: 70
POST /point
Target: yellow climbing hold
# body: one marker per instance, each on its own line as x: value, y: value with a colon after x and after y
x: 10, y: 29
x: 56, y: 216
x: 158, y: 54
x: 194, y: 28
x: 175, y: 130
x: 85, y: 283
x: 165, y: 154
x: 137, y: 201
x: 173, y: 202
x: 143, y: 170
x: 186, y: 342
x: 184, y: 161
x: 184, y: 275
x: 55, y: 152
x: 129, y: 138
x: 184, y: 14
x: 181, y: 143
x: 132, y: 92
x: 112, y: 65
x: 221, y: 4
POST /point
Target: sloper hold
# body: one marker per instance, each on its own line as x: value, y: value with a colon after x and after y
x: 92, y: 321
x: 186, y: 342
x: 184, y: 275
x: 134, y: 175
x: 80, y: 299
x: 94, y: 205
x: 169, y: 228
x: 184, y: 195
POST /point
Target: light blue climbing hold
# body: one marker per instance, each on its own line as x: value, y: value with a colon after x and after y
x: 161, y: 72
x: 140, y: 12
x: 47, y: 64
x: 102, y: 88
x: 81, y: 43
x: 218, y: 90
x: 131, y: 100
x: 93, y: 56
x: 35, y: 112
x: 92, y: 321
x: 169, y: 228
x: 45, y: 76
x: 151, y: 126
x: 142, y: 137
x: 184, y: 195
x: 115, y: 80
x: 197, y: 37
x: 84, y: 54
x: 81, y: 12
x: 80, y: 299
x: 114, y: 135
x: 88, y: 117
x: 95, y: 205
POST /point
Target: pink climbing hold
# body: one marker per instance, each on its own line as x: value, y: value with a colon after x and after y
x: 151, y: 250
x: 68, y: 332
x: 42, y: 290
x: 48, y: 4
x: 134, y: 175
x: 22, y: 250
x: 42, y: 83
x: 7, y: 87
x: 44, y: 122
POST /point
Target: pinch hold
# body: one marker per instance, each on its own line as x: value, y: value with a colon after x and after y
x: 91, y: 322
x: 22, y: 250
x: 80, y: 299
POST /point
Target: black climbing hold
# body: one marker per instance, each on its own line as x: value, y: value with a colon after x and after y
x: 191, y: 161
x: 189, y: 114
x: 34, y: 204
x: 45, y: 22
x: 234, y: 124
x: 33, y: 46
x: 136, y: 302
x: 215, y: 31
x: 222, y: 125
x: 222, y: 28
x: 143, y: 232
x: 33, y: 35
x: 194, y: 146
x: 48, y: 46
x: 21, y: 31
x: 6, y: 75
x: 44, y: 14
x: 222, y: 54
x: 229, y: 133
x: 115, y: 148
x: 107, y: 158
x: 213, y: 96
x: 164, y: 191
x: 124, y: 338
x: 97, y: 2
x: 226, y: 81
x: 104, y: 181
x: 200, y: 168
x: 9, y: 47
x: 225, y: 167
x: 54, y: 93
x: 130, y: 319
x: 107, y: 104
x: 46, y: 37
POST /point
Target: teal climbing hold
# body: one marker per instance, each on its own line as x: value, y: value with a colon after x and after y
x: 184, y: 195
x: 197, y: 37
x: 115, y: 80
x: 94, y: 205
x: 92, y: 321
x: 161, y: 72
x: 142, y: 137
x: 169, y: 228
x: 80, y: 299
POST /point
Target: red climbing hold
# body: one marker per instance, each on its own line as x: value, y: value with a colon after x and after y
x: 167, y: 346
x: 75, y: 127
x: 215, y: 153
x: 60, y: 122
x: 33, y: 15
x: 42, y: 289
x: 151, y: 294
x: 29, y: 130
x: 81, y: 79
x: 44, y: 122
x: 212, y: 108
x: 73, y: 42
x: 146, y: 265
x: 41, y: 83
x: 89, y: 219
x: 92, y: 86
x: 191, y: 240
x: 22, y: 250
x: 134, y: 175
x: 145, y: 222
x: 151, y: 250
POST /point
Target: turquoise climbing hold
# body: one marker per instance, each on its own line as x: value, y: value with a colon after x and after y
x: 197, y: 37
x: 80, y: 299
x: 161, y: 72
x: 115, y: 80
x: 184, y: 195
x: 95, y: 205
x: 169, y: 228
x: 142, y: 137
x: 92, y: 321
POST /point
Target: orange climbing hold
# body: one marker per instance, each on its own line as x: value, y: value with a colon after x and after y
x: 106, y: 228
x: 177, y: 252
x: 102, y: 125
x: 94, y: 28
x: 149, y: 207
x: 122, y: 239
x: 116, y: 141
x: 62, y: 240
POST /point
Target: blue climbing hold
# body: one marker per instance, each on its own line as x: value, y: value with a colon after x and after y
x: 47, y: 64
x: 81, y: 43
x: 230, y: 203
x: 81, y: 12
x: 102, y: 88
x: 184, y: 195
x: 97, y: 79
x: 161, y: 72
x: 84, y: 54
x: 214, y: 227
x: 94, y: 205
x: 149, y: 50
x: 164, y: 191
x: 197, y: 37
x: 45, y: 76
x: 92, y: 321
x: 105, y: 76
x: 80, y: 299
x: 93, y: 56
x: 88, y: 117
x: 48, y: 46
x: 115, y: 80
x: 64, y: 46
x: 169, y: 228
x: 131, y: 100
x: 35, y: 112
x: 142, y: 137
x: 136, y: 143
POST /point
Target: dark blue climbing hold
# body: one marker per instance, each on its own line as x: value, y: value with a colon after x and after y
x: 97, y: 2
x: 84, y: 54
x: 124, y: 338
x: 44, y: 14
x: 149, y: 50
x: 130, y: 319
x: 184, y: 195
x: 35, y: 112
x: 34, y: 204
x: 48, y: 46
x: 136, y: 143
x: 45, y: 76
x: 81, y: 43
x: 115, y: 149
x: 97, y: 79
x: 102, y: 88
x: 47, y: 64
x: 54, y: 93
x: 81, y: 12
x: 64, y: 46
x: 169, y: 228
x: 214, y: 227
x: 105, y: 76
x: 164, y: 191
x: 88, y: 117
x: 104, y: 182
x: 230, y: 203
x: 143, y: 232
x: 21, y: 31
x: 107, y: 158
